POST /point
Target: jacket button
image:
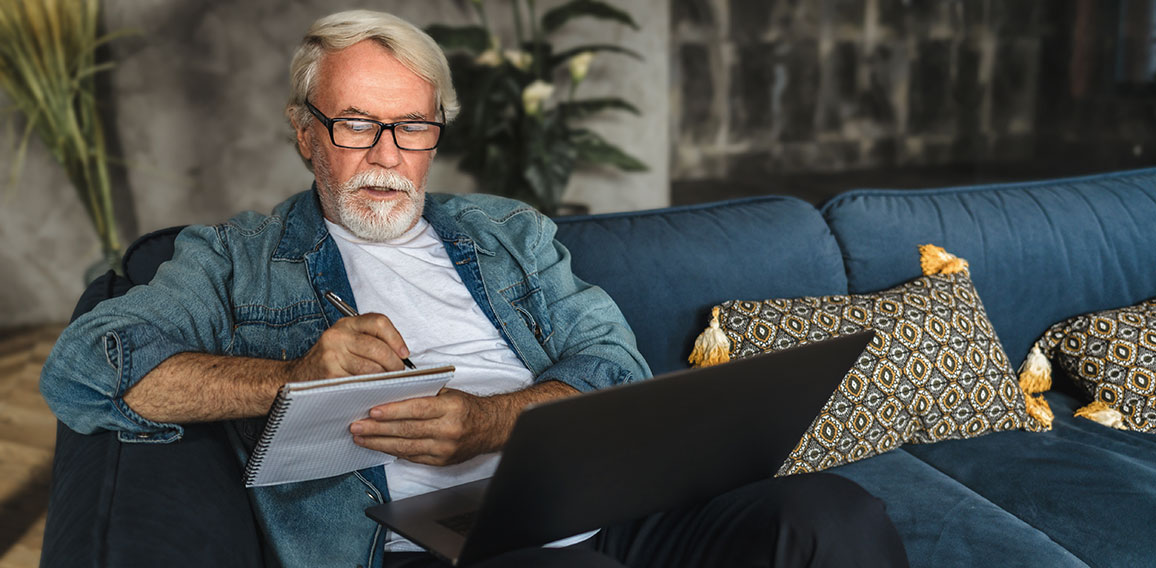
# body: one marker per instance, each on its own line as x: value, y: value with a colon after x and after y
x: 144, y: 436
x: 371, y: 497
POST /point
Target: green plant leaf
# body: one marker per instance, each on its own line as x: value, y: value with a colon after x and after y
x: 586, y: 107
x: 547, y: 174
x: 550, y: 157
x: 47, y: 64
x: 558, y: 17
x: 474, y: 39
x: 93, y: 70
x: 593, y: 149
x: 562, y: 57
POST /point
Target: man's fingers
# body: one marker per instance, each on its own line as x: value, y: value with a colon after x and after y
x: 338, y: 355
x: 407, y: 429
x: 381, y: 327
x: 423, y: 418
x: 360, y: 366
x: 420, y: 408
x: 429, y: 452
x: 371, y: 348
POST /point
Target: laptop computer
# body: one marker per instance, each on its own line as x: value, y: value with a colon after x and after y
x: 589, y: 461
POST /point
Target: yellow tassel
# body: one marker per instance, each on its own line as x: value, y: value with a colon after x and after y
x: 1038, y: 408
x: 712, y: 346
x: 1102, y: 413
x: 935, y: 260
x: 1036, y: 372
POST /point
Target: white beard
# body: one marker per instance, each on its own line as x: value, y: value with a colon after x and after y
x: 369, y: 219
x: 378, y: 221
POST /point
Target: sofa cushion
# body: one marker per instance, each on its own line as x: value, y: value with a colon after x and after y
x: 666, y: 268
x: 934, y: 370
x: 1111, y: 357
x: 944, y: 523
x: 1040, y: 252
x: 1086, y: 486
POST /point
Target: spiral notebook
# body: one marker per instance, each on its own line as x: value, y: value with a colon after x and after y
x: 307, y: 434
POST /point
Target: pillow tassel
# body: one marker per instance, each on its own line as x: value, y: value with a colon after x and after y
x: 1101, y: 413
x: 936, y: 260
x: 1035, y: 378
x: 1036, y: 372
x: 1039, y: 409
x: 712, y: 346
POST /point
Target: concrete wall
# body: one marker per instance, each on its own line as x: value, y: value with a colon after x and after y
x: 773, y: 87
x: 197, y: 100
x: 828, y: 85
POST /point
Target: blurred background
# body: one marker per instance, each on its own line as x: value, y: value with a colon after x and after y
x: 733, y: 98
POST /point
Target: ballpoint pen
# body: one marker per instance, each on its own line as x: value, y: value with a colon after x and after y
x: 348, y: 310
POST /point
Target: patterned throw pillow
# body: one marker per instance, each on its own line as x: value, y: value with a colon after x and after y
x: 1111, y: 356
x: 934, y: 371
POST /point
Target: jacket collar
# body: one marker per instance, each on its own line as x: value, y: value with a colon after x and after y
x: 304, y: 230
x: 444, y: 223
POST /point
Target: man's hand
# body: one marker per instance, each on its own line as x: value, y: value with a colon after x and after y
x: 353, y: 346
x: 451, y: 427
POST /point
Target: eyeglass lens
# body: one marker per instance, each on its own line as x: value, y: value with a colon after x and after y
x: 407, y: 135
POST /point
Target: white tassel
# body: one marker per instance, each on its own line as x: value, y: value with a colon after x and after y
x: 1036, y: 372
x: 712, y: 346
x: 1100, y: 412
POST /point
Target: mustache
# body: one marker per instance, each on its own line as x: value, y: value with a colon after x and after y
x: 383, y: 179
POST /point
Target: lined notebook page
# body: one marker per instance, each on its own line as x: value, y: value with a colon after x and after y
x: 307, y: 434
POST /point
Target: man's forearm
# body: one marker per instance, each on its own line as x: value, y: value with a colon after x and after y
x: 196, y: 387
x: 502, y: 410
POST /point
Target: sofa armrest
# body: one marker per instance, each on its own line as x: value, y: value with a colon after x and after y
x: 116, y: 504
x: 179, y: 504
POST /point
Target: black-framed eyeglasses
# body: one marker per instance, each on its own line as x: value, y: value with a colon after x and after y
x: 362, y: 133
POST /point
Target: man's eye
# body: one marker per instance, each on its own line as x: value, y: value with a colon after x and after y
x: 357, y: 126
x: 414, y: 128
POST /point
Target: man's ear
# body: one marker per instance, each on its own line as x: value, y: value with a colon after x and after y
x: 303, y: 143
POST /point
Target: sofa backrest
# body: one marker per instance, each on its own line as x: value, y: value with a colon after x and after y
x: 1040, y: 252
x: 666, y: 268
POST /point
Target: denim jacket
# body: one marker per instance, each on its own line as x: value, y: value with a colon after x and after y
x: 253, y: 287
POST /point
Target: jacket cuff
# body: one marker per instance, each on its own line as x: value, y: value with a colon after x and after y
x: 587, y: 373
x: 133, y: 352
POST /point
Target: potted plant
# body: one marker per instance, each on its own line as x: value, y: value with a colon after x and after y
x: 48, y: 65
x: 514, y: 135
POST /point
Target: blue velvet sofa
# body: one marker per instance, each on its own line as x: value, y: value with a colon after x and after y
x: 1078, y: 495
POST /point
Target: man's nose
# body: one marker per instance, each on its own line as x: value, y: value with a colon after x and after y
x: 385, y: 153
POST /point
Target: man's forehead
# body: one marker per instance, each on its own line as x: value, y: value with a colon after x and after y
x: 368, y: 79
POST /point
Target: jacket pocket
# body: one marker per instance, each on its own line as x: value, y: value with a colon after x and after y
x: 528, y: 300
x: 277, y: 333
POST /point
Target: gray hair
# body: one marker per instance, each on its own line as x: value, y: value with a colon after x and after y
x: 415, y: 49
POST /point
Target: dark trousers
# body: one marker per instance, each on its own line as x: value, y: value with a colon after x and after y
x: 803, y: 520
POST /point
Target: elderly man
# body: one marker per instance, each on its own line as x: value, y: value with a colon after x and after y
x: 475, y: 281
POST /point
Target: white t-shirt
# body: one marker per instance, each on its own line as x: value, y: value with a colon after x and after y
x: 412, y: 281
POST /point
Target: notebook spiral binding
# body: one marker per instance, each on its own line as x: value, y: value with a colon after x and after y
x: 280, y: 407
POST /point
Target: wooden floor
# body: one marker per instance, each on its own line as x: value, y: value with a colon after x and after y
x: 27, y: 436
